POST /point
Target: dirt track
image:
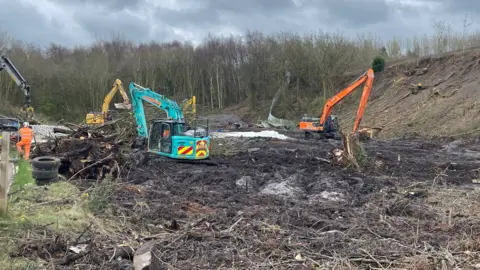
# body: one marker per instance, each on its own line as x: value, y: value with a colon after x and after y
x: 272, y: 200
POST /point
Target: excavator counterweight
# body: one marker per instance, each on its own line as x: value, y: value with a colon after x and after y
x: 327, y: 124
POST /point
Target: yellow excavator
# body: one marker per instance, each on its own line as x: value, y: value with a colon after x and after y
x: 190, y: 114
x: 93, y: 118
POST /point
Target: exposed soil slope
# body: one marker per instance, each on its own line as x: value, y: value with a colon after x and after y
x: 447, y: 107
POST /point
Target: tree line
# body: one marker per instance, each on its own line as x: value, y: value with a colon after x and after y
x: 221, y: 71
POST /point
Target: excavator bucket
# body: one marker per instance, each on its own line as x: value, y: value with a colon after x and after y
x: 122, y: 106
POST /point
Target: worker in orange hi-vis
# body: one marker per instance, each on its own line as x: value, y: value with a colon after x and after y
x: 166, y: 133
x: 26, y: 134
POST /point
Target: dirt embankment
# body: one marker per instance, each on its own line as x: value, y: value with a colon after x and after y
x: 448, y: 106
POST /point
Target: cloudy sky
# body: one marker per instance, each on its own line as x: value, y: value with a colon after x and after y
x: 79, y: 22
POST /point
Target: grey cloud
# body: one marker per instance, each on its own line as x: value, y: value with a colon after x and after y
x: 356, y: 13
x: 23, y: 22
x: 407, y: 11
x: 102, y: 18
x: 106, y: 5
x: 210, y: 14
x: 187, y: 17
x: 459, y: 6
x: 265, y: 7
x: 103, y: 26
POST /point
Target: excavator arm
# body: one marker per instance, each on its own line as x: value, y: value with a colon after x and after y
x: 191, y: 102
x: 9, y: 67
x: 366, y: 78
x: 117, y: 86
x: 100, y: 118
x: 140, y: 94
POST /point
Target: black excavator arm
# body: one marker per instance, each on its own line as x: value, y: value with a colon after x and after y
x: 9, y: 67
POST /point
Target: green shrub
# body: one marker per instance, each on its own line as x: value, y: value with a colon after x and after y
x: 378, y: 64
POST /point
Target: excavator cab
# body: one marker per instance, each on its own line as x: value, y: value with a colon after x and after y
x: 175, y: 139
x: 312, y: 128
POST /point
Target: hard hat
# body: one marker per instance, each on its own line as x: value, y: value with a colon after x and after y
x: 25, y: 124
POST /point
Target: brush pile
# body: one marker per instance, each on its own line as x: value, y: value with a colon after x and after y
x: 90, y: 152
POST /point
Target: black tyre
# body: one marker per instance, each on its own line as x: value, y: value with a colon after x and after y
x: 44, y: 174
x: 46, y: 163
x: 308, y: 135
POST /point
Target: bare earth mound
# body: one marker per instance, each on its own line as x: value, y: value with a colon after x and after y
x: 447, y: 106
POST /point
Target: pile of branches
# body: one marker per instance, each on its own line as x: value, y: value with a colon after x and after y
x: 59, y: 251
x: 121, y: 131
x: 90, y: 152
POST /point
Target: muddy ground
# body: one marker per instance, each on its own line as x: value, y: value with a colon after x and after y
x: 270, y: 204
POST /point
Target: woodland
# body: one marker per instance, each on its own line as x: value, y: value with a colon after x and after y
x: 221, y: 71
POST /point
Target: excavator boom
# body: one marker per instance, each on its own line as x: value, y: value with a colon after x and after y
x: 9, y: 67
x: 117, y: 86
x: 366, y: 78
x: 327, y: 124
x: 191, y: 102
x: 140, y: 94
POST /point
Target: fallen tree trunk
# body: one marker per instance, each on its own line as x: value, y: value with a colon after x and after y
x: 62, y: 130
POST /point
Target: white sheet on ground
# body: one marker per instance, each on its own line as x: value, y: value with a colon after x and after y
x: 251, y: 134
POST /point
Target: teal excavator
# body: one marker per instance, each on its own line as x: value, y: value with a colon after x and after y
x: 170, y: 137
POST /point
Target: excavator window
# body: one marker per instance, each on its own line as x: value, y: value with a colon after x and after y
x: 166, y: 141
x: 155, y: 136
x: 161, y: 137
x: 331, y: 124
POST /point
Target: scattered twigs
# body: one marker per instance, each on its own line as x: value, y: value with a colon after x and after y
x: 434, y: 182
x: 91, y: 165
x: 80, y: 236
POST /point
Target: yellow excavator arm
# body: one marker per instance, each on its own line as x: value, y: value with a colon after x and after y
x: 193, y: 103
x: 117, y: 86
x: 99, y: 118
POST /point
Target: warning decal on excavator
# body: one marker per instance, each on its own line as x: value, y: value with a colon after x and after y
x: 201, y: 153
x: 201, y: 148
x: 185, y: 150
x: 154, y: 101
x: 201, y: 145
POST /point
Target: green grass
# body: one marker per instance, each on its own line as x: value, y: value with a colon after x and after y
x: 59, y: 206
x: 23, y: 176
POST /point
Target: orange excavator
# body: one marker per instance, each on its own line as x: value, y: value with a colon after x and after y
x: 327, y: 125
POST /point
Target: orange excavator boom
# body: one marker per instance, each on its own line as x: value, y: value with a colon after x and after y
x: 366, y: 78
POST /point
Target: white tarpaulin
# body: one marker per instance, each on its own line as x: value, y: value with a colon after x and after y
x: 250, y: 134
x: 277, y: 122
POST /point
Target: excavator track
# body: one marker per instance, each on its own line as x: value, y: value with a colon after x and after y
x: 207, y: 162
